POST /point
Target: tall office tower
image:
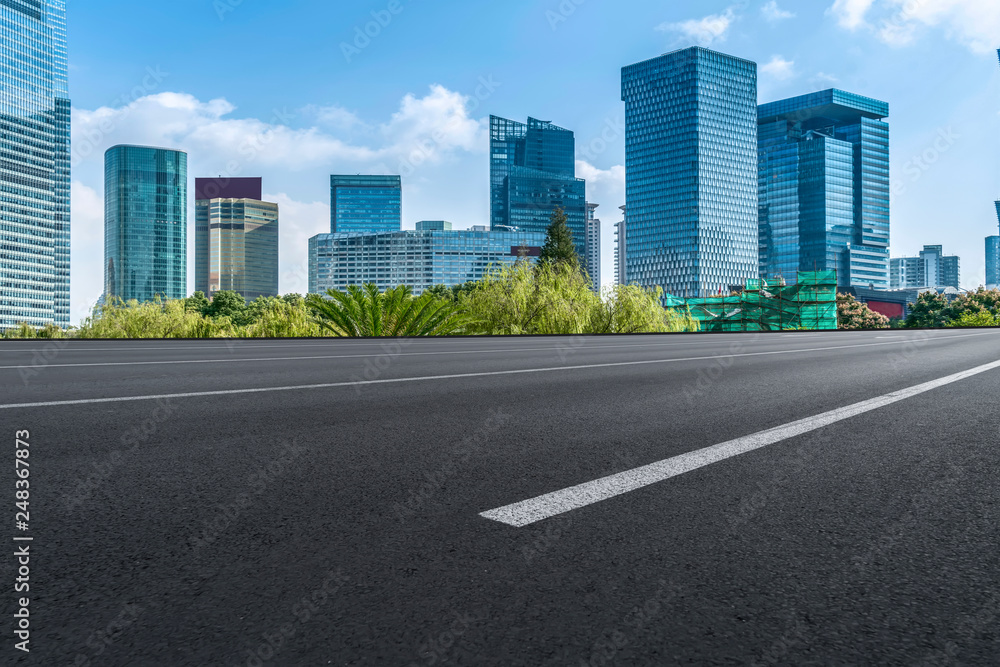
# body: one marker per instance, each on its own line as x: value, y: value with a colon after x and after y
x: 35, y: 164
x: 824, y: 188
x: 691, y: 171
x: 145, y: 223
x: 366, y: 204
x: 236, y: 238
x: 620, y: 251
x: 993, y: 262
x: 593, y: 255
x: 532, y: 173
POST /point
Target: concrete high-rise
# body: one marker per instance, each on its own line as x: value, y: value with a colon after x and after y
x: 691, y: 171
x: 593, y: 252
x: 145, y: 223
x: 236, y: 238
x: 824, y: 188
x: 621, y: 251
x: 35, y: 164
x: 932, y: 268
x: 532, y: 173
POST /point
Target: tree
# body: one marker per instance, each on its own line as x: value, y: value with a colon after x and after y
x: 979, y: 319
x: 973, y: 303
x: 929, y: 312
x: 197, y: 303
x: 441, y: 292
x: 852, y: 315
x: 559, y: 246
x: 226, y: 304
x: 366, y: 312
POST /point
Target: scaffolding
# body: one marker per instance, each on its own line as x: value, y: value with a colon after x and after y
x: 810, y: 305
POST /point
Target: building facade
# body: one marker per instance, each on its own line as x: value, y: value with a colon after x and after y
x: 236, y: 238
x: 593, y: 253
x: 35, y: 164
x: 420, y: 259
x: 691, y: 171
x: 365, y: 204
x: 931, y: 269
x: 993, y: 262
x: 824, y: 188
x: 532, y: 173
x: 145, y: 223
x: 620, y: 251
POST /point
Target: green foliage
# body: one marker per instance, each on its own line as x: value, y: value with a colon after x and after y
x: 556, y: 298
x: 197, y: 303
x: 980, y: 318
x: 974, y: 303
x: 229, y: 304
x: 852, y: 315
x: 366, y: 312
x: 153, y: 319
x: 630, y: 309
x: 441, y: 292
x: 559, y: 247
x: 26, y: 331
x: 929, y: 312
x: 272, y: 317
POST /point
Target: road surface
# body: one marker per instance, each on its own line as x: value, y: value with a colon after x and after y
x: 814, y: 498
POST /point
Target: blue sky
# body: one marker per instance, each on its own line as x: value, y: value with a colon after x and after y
x: 289, y: 92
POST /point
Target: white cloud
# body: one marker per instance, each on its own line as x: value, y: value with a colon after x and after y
x: 704, y: 31
x: 779, y: 68
x: 773, y: 13
x: 288, y: 149
x: 972, y: 23
x: 851, y: 14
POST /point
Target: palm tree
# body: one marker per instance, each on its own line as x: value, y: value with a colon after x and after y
x: 364, y: 312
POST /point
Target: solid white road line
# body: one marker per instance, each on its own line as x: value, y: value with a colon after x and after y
x: 428, y: 378
x: 559, y: 502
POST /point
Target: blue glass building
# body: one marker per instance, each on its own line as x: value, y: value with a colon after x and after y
x: 532, y: 173
x: 691, y: 171
x: 420, y: 259
x: 993, y: 255
x: 993, y: 262
x: 824, y: 188
x: 35, y: 164
x: 145, y: 223
x: 365, y: 204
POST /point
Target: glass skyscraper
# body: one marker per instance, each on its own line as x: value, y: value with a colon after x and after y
x: 420, y: 259
x: 532, y: 173
x: 35, y: 164
x: 365, y: 204
x: 145, y: 223
x: 824, y: 188
x: 236, y: 238
x: 691, y: 172
x: 993, y: 262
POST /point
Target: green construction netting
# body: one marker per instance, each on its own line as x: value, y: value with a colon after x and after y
x: 769, y: 305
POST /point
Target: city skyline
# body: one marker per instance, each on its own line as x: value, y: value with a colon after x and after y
x: 351, y: 121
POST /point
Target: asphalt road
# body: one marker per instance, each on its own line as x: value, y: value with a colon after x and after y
x: 322, y: 502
